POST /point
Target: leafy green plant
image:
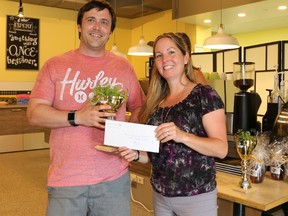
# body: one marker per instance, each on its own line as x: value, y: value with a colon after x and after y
x: 107, y: 91
x: 244, y: 135
x: 245, y: 143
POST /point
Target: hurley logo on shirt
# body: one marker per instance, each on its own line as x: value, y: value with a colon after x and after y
x: 78, y: 86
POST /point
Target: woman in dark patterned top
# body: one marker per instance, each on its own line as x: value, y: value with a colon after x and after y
x: 191, y: 130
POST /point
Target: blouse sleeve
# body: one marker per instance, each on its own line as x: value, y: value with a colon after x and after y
x: 210, y: 100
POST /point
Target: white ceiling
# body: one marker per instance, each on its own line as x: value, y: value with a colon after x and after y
x: 259, y: 16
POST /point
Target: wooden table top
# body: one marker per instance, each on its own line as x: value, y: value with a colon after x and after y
x: 263, y: 196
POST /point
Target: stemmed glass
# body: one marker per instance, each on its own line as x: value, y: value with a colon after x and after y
x: 114, y: 101
x: 245, y: 144
x: 113, y: 96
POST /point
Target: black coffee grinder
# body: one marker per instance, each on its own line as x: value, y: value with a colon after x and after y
x: 246, y: 104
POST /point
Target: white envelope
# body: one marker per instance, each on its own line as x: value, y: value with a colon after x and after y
x: 132, y: 135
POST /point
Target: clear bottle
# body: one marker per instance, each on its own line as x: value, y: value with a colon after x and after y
x: 281, y: 90
x: 275, y: 94
x: 273, y: 106
x: 265, y: 126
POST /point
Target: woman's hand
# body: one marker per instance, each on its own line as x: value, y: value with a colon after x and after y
x: 168, y: 131
x: 133, y: 155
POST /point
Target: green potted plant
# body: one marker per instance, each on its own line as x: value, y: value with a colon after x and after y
x: 245, y: 143
x: 101, y: 93
x: 111, y: 95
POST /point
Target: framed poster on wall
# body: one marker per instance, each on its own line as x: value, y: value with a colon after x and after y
x: 22, y: 43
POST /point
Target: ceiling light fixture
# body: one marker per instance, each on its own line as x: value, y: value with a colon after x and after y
x: 114, y: 47
x: 221, y: 40
x: 241, y: 14
x: 141, y: 49
x: 20, y: 10
x: 207, y: 21
x: 282, y: 7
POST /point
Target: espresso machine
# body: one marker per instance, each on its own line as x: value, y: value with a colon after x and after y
x: 246, y: 104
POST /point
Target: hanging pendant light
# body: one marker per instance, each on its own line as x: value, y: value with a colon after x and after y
x: 221, y: 40
x: 141, y: 49
x: 20, y: 10
x: 114, y: 47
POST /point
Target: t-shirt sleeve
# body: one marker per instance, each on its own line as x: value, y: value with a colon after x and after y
x: 44, y: 87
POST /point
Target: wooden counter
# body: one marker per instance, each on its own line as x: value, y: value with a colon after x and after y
x: 261, y: 197
x: 264, y: 196
x: 13, y: 106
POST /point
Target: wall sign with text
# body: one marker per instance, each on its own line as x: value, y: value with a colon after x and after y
x: 22, y: 46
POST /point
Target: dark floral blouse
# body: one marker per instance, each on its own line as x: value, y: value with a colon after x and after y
x: 178, y: 170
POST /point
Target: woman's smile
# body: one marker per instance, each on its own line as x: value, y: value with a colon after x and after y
x: 167, y: 67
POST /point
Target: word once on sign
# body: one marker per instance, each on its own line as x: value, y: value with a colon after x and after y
x: 22, y: 50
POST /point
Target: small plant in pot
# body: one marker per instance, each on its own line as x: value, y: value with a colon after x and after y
x: 113, y: 96
x: 245, y: 143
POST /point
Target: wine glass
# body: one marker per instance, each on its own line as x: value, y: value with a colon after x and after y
x: 114, y: 101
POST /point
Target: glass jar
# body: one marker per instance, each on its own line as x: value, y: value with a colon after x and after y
x: 257, y: 172
x: 276, y: 172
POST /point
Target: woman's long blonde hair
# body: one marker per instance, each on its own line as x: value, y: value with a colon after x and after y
x: 158, y: 87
